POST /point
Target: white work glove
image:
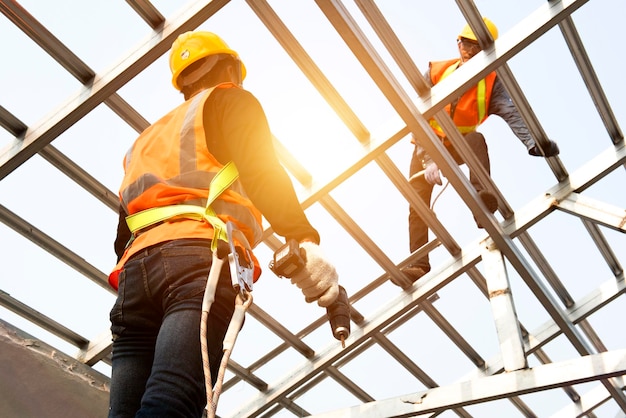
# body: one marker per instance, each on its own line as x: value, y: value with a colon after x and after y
x: 318, y: 278
x: 432, y: 175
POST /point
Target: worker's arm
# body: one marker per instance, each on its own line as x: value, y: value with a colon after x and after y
x: 245, y: 139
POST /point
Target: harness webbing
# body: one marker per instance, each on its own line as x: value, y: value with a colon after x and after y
x: 222, y: 181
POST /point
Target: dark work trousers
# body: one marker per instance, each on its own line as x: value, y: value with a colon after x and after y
x: 157, y: 356
x: 418, y: 230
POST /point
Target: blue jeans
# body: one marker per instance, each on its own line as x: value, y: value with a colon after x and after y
x: 155, y: 323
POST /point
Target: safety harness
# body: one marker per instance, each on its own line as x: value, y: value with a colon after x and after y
x: 242, y: 271
x: 222, y: 181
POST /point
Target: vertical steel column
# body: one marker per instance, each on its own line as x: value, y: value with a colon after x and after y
x: 504, y: 314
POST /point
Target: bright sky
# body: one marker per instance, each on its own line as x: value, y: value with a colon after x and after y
x: 32, y: 86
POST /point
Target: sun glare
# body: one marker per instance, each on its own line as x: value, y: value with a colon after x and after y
x: 318, y: 140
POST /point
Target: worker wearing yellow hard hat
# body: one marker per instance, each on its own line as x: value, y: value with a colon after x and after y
x: 191, y: 47
x: 174, y: 203
x: 468, y: 111
x: 468, y: 43
x: 468, y: 33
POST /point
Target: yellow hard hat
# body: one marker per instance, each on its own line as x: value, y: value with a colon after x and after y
x: 189, y: 47
x: 467, y: 32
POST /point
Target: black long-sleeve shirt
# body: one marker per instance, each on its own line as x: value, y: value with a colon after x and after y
x: 237, y: 130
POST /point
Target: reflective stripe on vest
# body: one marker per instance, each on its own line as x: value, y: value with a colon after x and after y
x: 480, y: 99
x: 173, y: 167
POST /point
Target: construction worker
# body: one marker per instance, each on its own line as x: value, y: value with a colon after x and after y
x: 162, y: 268
x: 468, y: 111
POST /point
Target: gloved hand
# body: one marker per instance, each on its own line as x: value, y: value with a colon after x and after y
x: 551, y: 150
x: 432, y: 175
x: 318, y: 278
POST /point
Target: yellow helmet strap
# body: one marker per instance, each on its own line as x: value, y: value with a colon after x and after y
x: 192, y: 75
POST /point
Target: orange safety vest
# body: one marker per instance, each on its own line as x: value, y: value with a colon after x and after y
x: 472, y: 107
x: 170, y: 164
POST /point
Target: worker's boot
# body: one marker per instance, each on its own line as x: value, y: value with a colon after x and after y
x: 490, y: 201
x: 413, y: 273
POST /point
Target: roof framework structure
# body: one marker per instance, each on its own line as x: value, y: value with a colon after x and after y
x: 523, y: 318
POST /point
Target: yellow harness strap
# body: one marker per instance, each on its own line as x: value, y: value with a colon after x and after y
x: 222, y: 181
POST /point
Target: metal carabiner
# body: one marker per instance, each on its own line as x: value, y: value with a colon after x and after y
x: 241, y: 265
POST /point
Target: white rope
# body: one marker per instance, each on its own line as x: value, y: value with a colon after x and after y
x: 242, y: 303
x: 234, y: 327
x: 207, y: 301
x: 421, y: 173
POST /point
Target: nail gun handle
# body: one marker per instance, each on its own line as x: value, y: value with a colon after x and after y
x: 287, y: 260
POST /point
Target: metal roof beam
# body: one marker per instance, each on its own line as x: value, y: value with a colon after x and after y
x: 103, y: 86
x: 53, y: 247
x: 148, y: 12
x: 580, y: 370
x: 590, y: 78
